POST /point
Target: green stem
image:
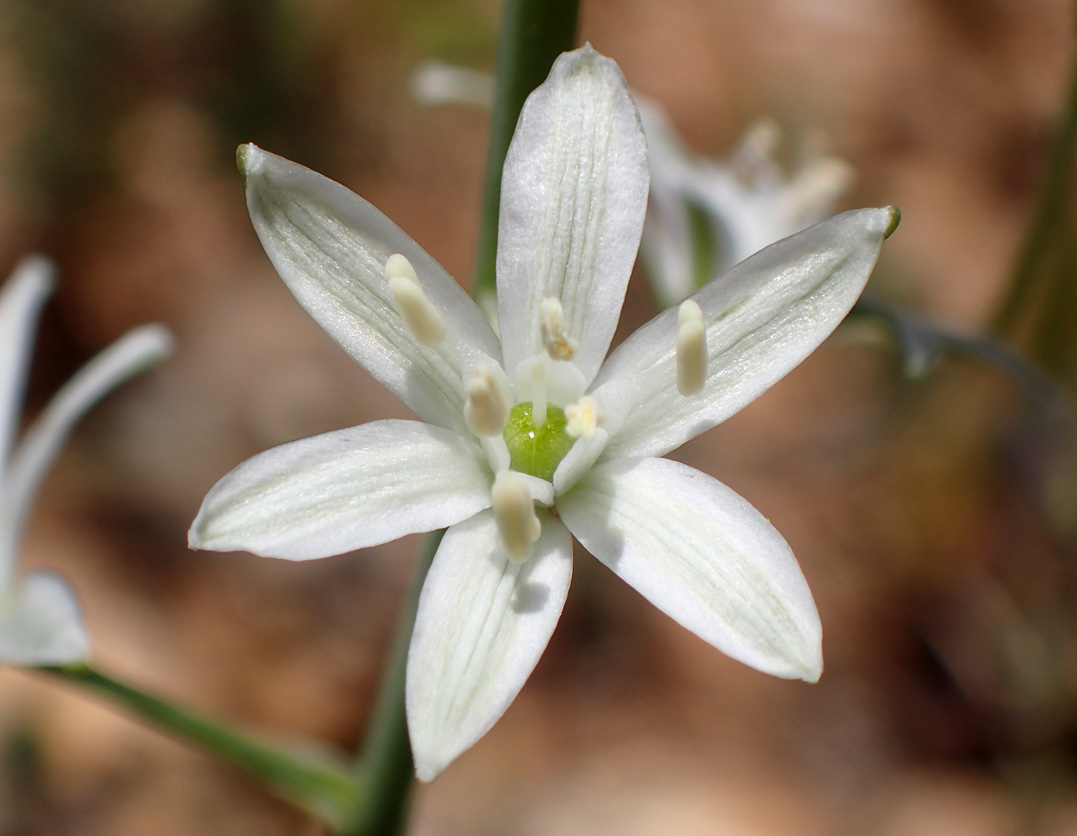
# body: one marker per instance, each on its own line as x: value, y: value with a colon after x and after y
x: 312, y: 782
x: 533, y: 34
x: 1029, y: 297
x: 385, y: 770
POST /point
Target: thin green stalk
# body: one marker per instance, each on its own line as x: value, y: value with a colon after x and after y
x: 533, y: 33
x: 385, y: 770
x: 315, y: 783
x: 1031, y: 300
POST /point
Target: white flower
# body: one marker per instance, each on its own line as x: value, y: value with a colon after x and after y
x: 435, y: 83
x: 705, y: 216
x: 40, y: 622
x: 532, y: 437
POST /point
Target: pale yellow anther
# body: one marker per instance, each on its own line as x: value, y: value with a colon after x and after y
x: 555, y: 339
x: 514, y: 512
x: 581, y: 418
x: 420, y: 316
x: 691, y: 349
x: 487, y: 407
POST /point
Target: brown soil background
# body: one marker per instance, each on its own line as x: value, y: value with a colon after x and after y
x: 944, y: 577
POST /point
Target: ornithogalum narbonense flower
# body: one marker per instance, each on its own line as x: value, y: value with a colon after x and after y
x: 527, y: 440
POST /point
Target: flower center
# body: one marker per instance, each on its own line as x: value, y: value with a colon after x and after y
x: 536, y: 450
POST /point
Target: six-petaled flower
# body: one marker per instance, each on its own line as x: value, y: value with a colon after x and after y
x: 535, y: 437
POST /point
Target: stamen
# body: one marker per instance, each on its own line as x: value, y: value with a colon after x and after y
x: 514, y: 512
x: 538, y: 395
x: 555, y: 339
x: 418, y: 312
x: 691, y: 349
x: 487, y: 408
x: 582, y: 417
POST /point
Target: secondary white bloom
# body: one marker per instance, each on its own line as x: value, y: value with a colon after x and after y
x: 40, y: 622
x: 436, y: 83
x: 705, y: 216
x: 529, y: 440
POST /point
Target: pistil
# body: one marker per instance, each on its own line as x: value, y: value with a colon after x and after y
x: 538, y: 395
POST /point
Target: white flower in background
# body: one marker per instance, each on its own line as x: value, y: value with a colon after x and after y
x: 436, y: 83
x: 40, y: 622
x: 705, y: 216
x: 532, y: 439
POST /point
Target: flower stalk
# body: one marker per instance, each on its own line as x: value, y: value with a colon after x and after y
x: 1036, y: 311
x: 533, y: 33
x: 313, y: 782
x: 384, y: 773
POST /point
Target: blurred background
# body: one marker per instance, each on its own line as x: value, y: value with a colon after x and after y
x: 933, y: 518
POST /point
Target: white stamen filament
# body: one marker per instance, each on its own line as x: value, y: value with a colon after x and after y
x: 420, y: 316
x: 514, y: 512
x: 582, y: 417
x: 538, y: 395
x: 691, y: 349
x: 555, y: 339
x: 487, y: 408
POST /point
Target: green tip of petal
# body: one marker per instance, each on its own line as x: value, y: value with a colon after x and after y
x: 248, y: 157
x: 895, y: 219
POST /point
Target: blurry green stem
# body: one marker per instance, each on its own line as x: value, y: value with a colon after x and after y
x: 1033, y: 288
x: 533, y: 34
x: 385, y: 771
x: 316, y: 784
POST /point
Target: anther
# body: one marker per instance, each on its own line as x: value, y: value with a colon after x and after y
x: 555, y: 339
x: 514, y: 512
x: 691, y: 349
x: 487, y: 408
x: 418, y: 312
x: 582, y: 417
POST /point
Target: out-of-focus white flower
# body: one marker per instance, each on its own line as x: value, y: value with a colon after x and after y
x: 436, y: 83
x: 40, y: 622
x: 705, y: 216
x: 533, y: 438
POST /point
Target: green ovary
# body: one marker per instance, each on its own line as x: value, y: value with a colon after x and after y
x: 536, y: 450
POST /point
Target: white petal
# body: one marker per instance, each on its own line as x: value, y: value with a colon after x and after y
x: 133, y: 353
x: 20, y: 303
x: 702, y: 555
x: 44, y: 625
x: 573, y: 197
x: 482, y: 625
x: 344, y: 490
x: 763, y: 318
x: 330, y: 246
